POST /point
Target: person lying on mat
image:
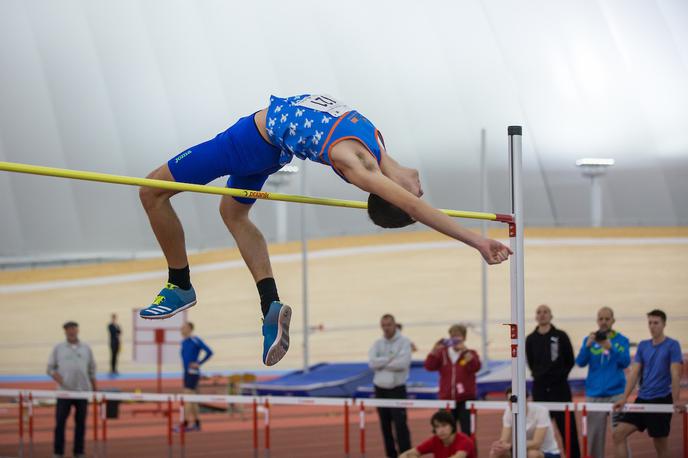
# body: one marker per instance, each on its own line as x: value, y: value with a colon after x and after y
x: 314, y: 127
x: 446, y: 441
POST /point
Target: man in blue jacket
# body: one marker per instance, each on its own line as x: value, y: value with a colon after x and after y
x: 606, y: 354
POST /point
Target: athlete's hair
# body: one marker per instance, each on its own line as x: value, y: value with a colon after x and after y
x: 388, y: 316
x: 458, y: 329
x: 387, y: 215
x: 443, y: 417
x: 659, y: 314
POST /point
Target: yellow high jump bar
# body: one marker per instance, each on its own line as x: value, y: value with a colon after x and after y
x: 175, y: 186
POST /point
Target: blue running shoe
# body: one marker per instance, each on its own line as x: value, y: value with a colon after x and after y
x: 169, y: 302
x: 276, y: 333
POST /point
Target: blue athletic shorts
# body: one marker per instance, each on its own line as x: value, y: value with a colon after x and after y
x: 657, y: 424
x: 240, y: 152
x: 191, y: 380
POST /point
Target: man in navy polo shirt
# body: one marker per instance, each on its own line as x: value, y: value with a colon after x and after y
x: 657, y: 365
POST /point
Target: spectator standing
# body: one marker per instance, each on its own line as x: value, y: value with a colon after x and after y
x: 606, y: 353
x: 446, y: 441
x: 657, y: 367
x: 190, y: 352
x: 550, y: 359
x: 72, y: 366
x: 458, y: 366
x: 390, y: 358
x: 115, y: 331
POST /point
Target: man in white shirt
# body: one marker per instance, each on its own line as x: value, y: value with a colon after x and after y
x: 390, y: 358
x: 539, y: 434
x: 73, y: 368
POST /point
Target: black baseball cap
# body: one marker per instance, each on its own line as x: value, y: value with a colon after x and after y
x: 70, y: 324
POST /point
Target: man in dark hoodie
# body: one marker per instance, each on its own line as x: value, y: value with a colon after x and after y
x: 550, y: 359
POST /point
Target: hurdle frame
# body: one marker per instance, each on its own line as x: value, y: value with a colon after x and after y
x: 21, y: 395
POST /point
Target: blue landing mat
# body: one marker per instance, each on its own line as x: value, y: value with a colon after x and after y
x: 356, y: 380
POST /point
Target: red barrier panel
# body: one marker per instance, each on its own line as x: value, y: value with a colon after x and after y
x: 361, y: 426
x: 103, y: 420
x: 21, y: 424
x: 255, y: 427
x: 182, y: 428
x: 30, y: 413
x: 170, y: 443
x: 685, y: 434
x: 267, y: 428
x: 346, y: 428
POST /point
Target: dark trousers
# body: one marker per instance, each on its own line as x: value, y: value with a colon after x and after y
x: 61, y: 414
x: 559, y: 393
x: 393, y: 415
x: 114, y: 354
x: 463, y: 417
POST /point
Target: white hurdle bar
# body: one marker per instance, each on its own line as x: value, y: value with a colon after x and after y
x: 99, y: 398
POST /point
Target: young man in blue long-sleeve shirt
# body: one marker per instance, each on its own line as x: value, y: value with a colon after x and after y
x: 191, y: 350
x: 606, y: 353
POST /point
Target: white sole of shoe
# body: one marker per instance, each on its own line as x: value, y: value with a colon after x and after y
x: 280, y: 346
x: 168, y: 315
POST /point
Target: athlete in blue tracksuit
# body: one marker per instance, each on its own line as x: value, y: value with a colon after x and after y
x: 192, y: 346
x: 314, y: 127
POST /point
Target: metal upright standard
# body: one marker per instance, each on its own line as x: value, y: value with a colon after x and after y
x: 517, y: 326
x: 483, y: 265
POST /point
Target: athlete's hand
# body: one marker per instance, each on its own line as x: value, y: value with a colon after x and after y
x: 438, y: 346
x: 618, y: 405
x: 591, y: 339
x: 493, y: 251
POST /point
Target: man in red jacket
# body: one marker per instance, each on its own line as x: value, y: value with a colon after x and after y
x: 458, y: 366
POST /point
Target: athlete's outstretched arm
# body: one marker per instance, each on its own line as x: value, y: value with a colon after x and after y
x: 362, y: 171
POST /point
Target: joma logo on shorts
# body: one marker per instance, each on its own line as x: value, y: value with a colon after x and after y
x: 182, y: 156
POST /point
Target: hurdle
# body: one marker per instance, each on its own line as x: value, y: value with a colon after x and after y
x: 268, y: 402
x: 514, y: 220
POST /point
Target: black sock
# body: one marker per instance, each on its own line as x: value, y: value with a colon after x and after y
x: 179, y: 277
x: 268, y: 293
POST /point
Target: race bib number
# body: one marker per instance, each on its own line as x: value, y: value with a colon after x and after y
x: 325, y: 104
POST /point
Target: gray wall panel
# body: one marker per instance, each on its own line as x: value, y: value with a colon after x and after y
x: 121, y: 87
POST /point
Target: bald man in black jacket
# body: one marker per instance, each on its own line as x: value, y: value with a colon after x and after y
x: 550, y: 359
